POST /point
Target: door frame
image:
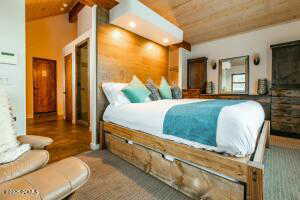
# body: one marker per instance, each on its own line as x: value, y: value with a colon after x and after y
x: 33, y: 68
x: 65, y: 86
x: 77, y: 46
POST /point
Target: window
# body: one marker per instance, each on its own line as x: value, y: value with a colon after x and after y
x: 238, y: 83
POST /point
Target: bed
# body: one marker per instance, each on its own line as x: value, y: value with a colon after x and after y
x: 237, y: 131
x: 230, y: 169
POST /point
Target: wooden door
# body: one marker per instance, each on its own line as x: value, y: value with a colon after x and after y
x: 197, y: 74
x: 44, y: 85
x: 82, y: 84
x: 68, y: 87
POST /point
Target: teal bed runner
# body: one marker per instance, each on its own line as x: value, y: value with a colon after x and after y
x: 196, y: 121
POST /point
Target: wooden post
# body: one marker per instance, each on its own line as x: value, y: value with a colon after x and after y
x: 268, y: 134
x: 102, y: 136
x: 255, y: 182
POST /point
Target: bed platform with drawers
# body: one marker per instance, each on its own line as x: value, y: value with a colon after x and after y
x: 199, y: 172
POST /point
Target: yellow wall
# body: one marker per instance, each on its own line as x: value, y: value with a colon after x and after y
x: 45, y: 38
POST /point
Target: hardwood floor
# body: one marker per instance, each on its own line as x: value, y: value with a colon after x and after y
x: 68, y: 139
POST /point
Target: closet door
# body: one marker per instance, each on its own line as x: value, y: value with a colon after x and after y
x: 197, y: 74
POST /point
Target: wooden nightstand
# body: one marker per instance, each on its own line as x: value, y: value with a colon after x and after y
x: 191, y: 93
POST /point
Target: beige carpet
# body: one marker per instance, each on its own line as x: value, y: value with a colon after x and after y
x: 115, y: 179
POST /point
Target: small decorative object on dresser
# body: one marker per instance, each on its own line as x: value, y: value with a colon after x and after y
x: 210, y: 89
x: 262, y: 88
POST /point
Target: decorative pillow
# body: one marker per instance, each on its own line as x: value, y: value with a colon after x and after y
x: 176, y: 92
x: 114, y: 94
x: 136, y: 91
x: 164, y: 89
x: 10, y: 149
x: 154, y: 96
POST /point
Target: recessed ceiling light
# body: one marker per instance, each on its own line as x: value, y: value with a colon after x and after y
x: 62, y: 9
x: 132, y: 24
x: 150, y: 46
x: 166, y: 40
x: 116, y: 34
x: 65, y: 5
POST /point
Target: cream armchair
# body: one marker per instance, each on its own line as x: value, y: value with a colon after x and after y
x: 29, y: 178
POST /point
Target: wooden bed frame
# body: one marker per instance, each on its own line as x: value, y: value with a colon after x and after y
x: 198, y: 173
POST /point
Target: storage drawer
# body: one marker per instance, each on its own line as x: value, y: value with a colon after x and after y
x: 180, y: 175
x: 119, y: 147
x: 199, y: 184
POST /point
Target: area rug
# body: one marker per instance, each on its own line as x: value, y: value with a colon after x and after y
x: 115, y: 179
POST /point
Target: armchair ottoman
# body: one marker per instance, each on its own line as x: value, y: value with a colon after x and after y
x: 27, y: 178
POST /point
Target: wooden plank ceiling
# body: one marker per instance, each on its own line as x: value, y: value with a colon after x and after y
x: 37, y: 9
x: 204, y: 20
x: 201, y: 20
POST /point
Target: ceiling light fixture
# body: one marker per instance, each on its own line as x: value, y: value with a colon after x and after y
x: 166, y: 40
x: 62, y: 9
x: 132, y: 24
x: 65, y: 5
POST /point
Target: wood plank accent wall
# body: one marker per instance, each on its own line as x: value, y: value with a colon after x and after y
x: 122, y: 54
x: 173, y: 65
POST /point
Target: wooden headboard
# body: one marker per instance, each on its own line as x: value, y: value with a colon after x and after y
x: 122, y: 54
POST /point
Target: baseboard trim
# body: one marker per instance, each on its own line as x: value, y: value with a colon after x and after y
x: 95, y: 146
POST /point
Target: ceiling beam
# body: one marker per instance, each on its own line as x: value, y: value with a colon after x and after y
x: 184, y: 45
x: 73, y: 14
x: 107, y: 4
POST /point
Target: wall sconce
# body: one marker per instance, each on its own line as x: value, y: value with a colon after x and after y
x: 256, y: 59
x: 213, y: 64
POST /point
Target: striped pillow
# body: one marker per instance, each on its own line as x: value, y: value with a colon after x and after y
x: 154, y: 96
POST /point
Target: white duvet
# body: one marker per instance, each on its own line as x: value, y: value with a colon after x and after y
x: 237, y: 129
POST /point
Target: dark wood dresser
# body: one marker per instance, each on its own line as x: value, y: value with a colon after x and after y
x: 265, y: 101
x: 285, y: 112
x: 197, y: 74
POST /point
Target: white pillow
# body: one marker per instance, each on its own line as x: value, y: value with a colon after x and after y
x: 114, y: 94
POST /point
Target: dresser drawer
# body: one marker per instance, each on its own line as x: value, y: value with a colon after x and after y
x: 285, y: 106
x: 285, y: 113
x: 285, y: 127
x: 285, y: 93
x: 290, y: 120
x: 286, y: 100
x: 192, y: 93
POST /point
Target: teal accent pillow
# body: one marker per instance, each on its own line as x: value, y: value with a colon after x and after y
x: 164, y: 89
x: 136, y: 91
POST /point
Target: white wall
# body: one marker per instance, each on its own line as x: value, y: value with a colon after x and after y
x: 84, y: 22
x: 248, y: 44
x: 12, y: 39
x: 184, y: 55
x: 90, y: 35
